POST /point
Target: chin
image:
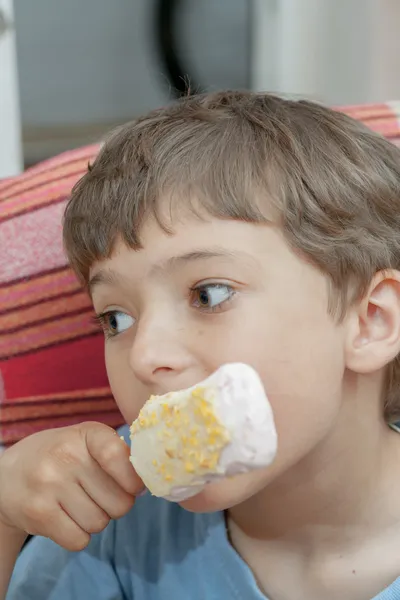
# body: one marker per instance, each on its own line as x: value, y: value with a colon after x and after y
x: 205, y: 502
x: 225, y: 494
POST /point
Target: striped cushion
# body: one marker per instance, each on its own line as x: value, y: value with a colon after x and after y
x: 382, y: 118
x: 51, y: 353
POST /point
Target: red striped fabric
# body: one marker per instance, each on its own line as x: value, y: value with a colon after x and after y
x: 382, y: 118
x: 51, y: 354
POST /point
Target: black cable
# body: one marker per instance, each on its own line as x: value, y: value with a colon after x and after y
x: 167, y: 39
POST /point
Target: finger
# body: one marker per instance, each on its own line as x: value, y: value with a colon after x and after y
x: 60, y: 528
x: 69, y: 535
x: 106, y: 492
x: 112, y: 454
x: 83, y: 510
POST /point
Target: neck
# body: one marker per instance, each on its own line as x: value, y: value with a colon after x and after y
x: 336, y: 493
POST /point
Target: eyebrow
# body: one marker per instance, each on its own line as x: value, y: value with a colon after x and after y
x: 194, y: 256
x: 102, y: 277
x: 108, y: 277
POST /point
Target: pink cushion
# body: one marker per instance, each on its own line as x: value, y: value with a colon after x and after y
x: 51, y: 353
x: 382, y: 118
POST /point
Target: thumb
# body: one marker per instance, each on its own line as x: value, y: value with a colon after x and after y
x: 112, y: 454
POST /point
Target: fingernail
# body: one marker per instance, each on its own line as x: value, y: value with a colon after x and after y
x: 142, y: 493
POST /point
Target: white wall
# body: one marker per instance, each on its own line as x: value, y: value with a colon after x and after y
x: 86, y: 64
x: 10, y: 146
x: 84, y: 61
x: 94, y: 60
x: 386, y: 55
x: 337, y: 51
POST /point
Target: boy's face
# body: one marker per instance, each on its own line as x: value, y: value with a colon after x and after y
x: 216, y: 292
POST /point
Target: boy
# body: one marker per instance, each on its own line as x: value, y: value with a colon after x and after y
x: 230, y: 227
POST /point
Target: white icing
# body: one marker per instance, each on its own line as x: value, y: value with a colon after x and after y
x: 242, y: 407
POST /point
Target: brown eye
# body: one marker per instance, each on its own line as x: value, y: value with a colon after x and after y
x: 211, y: 296
x: 203, y: 297
x: 115, y: 322
x: 112, y: 322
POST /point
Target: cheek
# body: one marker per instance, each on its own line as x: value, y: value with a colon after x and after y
x: 298, y: 352
x: 129, y: 394
x: 305, y: 393
x: 302, y: 372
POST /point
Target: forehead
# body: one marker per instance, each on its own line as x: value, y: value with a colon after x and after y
x: 192, y: 241
x: 256, y: 257
x: 188, y: 237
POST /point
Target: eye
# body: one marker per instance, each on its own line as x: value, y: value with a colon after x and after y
x: 114, y: 322
x: 211, y: 296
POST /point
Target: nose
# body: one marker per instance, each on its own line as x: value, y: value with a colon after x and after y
x: 159, y: 356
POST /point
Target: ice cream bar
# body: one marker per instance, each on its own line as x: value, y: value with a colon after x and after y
x: 222, y: 427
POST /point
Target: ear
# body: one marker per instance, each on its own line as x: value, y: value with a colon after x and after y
x: 373, y: 332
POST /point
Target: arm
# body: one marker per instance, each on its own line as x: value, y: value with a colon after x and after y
x: 11, y: 541
x: 64, y: 485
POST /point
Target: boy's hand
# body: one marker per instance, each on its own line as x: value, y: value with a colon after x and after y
x: 67, y: 483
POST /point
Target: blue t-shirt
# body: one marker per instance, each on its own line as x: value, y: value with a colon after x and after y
x: 157, y: 551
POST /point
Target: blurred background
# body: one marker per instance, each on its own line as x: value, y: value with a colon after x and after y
x: 69, y: 71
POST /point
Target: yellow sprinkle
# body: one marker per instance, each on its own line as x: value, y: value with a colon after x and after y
x: 207, y: 413
x: 168, y: 477
x: 155, y: 463
x: 189, y: 467
x: 143, y: 421
x: 214, y: 460
x: 134, y: 427
x: 198, y: 393
x: 177, y: 421
x: 194, y: 454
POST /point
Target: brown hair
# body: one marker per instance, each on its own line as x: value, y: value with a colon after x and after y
x: 331, y: 184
